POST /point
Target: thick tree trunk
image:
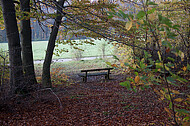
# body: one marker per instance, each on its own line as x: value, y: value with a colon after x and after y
x: 26, y: 44
x: 46, y: 78
x: 16, y: 73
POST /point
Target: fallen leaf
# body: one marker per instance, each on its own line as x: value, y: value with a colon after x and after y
x: 128, y: 25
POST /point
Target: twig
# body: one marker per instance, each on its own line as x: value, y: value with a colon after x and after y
x: 171, y: 98
x: 79, y: 22
x: 61, y: 106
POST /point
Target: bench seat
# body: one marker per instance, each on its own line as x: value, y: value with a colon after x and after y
x: 93, y: 72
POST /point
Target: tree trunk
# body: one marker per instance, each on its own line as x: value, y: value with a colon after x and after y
x: 26, y: 44
x: 16, y: 73
x: 46, y: 77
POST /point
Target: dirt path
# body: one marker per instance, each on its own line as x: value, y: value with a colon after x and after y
x: 96, y: 102
x: 66, y: 60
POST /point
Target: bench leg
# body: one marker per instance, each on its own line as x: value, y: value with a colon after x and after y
x: 84, y: 79
x: 107, y: 77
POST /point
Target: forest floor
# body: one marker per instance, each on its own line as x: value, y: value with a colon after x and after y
x: 96, y: 102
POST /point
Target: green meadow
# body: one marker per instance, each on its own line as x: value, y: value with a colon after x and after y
x: 39, y: 48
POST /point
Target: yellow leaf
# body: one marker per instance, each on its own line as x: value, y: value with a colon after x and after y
x: 128, y: 25
x: 162, y: 97
x: 162, y: 92
x: 149, y: 39
x: 167, y: 68
x: 164, y: 25
x: 157, y: 92
x: 188, y: 99
x: 184, y: 68
x: 185, y: 103
x: 181, y: 55
x: 141, y: 21
x: 152, y: 124
x: 137, y: 79
x: 167, y: 110
x: 136, y: 6
x: 163, y: 33
x: 178, y: 100
x: 159, y: 55
x: 134, y: 66
x: 175, y: 92
x: 2, y: 28
x: 122, y: 64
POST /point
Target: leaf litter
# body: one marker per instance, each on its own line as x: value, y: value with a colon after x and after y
x: 91, y: 103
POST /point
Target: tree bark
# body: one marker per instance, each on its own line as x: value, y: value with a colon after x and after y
x: 46, y: 77
x: 16, y: 73
x: 26, y: 44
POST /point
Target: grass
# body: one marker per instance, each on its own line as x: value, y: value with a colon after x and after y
x: 39, y: 48
x: 76, y: 66
x: 83, y: 64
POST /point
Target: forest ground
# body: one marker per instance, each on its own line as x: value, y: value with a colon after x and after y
x: 97, y: 102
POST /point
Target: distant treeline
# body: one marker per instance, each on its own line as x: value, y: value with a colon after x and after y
x: 40, y: 31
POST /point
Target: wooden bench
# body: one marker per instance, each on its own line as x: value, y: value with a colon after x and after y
x: 91, y: 72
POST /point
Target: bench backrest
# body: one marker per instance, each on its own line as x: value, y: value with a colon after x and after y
x: 96, y: 69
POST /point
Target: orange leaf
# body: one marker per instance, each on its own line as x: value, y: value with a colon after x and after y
x: 167, y: 50
x: 114, y: 65
x: 137, y: 26
x: 137, y: 79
